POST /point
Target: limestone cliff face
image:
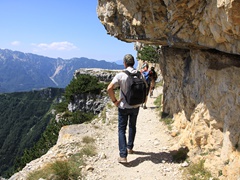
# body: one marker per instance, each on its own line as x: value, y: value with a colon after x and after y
x: 201, y: 90
x: 92, y: 102
x: 200, y: 65
x: 202, y: 24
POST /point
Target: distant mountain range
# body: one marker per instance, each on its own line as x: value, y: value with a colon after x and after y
x: 25, y: 71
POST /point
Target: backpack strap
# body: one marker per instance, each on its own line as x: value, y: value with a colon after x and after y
x: 139, y: 74
x: 128, y: 73
x: 132, y: 74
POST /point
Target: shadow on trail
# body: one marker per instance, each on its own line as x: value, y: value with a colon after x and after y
x: 156, y: 158
x: 176, y: 156
x: 152, y: 107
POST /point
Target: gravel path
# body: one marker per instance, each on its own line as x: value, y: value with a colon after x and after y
x: 152, y: 160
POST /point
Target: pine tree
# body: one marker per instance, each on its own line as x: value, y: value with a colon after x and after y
x: 149, y: 53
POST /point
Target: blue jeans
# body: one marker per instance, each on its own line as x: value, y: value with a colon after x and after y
x: 123, y: 116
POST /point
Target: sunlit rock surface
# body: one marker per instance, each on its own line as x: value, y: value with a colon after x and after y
x: 200, y: 24
x: 200, y: 65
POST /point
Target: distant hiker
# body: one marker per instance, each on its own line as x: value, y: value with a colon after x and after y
x: 145, y: 72
x: 153, y: 75
x: 126, y: 112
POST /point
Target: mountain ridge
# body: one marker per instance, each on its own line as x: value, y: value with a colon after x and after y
x: 26, y: 71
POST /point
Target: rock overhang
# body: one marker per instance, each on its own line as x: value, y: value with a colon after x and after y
x: 213, y: 24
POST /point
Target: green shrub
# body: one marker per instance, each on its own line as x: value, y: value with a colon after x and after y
x: 84, y: 83
x: 197, y: 172
x: 88, y: 150
x: 61, y: 169
x: 61, y: 107
x: 149, y: 53
x: 88, y: 140
x: 165, y: 118
x: 58, y: 170
x: 42, y: 173
x: 158, y: 102
x: 66, y: 169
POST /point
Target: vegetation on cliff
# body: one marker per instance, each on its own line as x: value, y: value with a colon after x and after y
x: 32, y: 129
x: 149, y: 53
x: 23, y: 117
x: 83, y: 84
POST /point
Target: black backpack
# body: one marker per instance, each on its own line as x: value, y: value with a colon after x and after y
x: 136, y: 88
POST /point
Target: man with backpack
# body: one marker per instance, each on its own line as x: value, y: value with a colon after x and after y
x: 132, y: 94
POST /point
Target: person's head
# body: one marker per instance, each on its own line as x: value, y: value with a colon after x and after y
x: 152, y: 68
x: 145, y: 66
x: 128, y: 60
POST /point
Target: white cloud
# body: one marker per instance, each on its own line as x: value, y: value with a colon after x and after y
x: 60, y: 46
x: 15, y: 43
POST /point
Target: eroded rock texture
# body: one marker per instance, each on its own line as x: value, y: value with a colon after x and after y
x: 201, y: 90
x: 200, y: 64
x: 182, y: 23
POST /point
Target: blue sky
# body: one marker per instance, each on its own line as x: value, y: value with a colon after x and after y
x: 58, y: 28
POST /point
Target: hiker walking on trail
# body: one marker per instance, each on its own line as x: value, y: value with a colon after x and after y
x: 145, y: 72
x: 127, y: 112
x: 153, y: 75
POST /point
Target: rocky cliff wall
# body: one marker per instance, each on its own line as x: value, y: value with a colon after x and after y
x: 103, y: 75
x: 92, y: 102
x: 200, y: 65
x: 201, y: 91
x: 183, y: 23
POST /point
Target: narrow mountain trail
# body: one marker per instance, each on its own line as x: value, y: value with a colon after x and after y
x: 152, y: 159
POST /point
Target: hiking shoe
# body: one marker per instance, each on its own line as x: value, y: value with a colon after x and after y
x: 130, y: 151
x: 122, y: 160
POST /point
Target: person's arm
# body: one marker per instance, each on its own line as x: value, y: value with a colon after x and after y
x: 110, y: 90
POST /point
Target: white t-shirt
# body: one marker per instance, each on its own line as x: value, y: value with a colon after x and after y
x: 120, y: 80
